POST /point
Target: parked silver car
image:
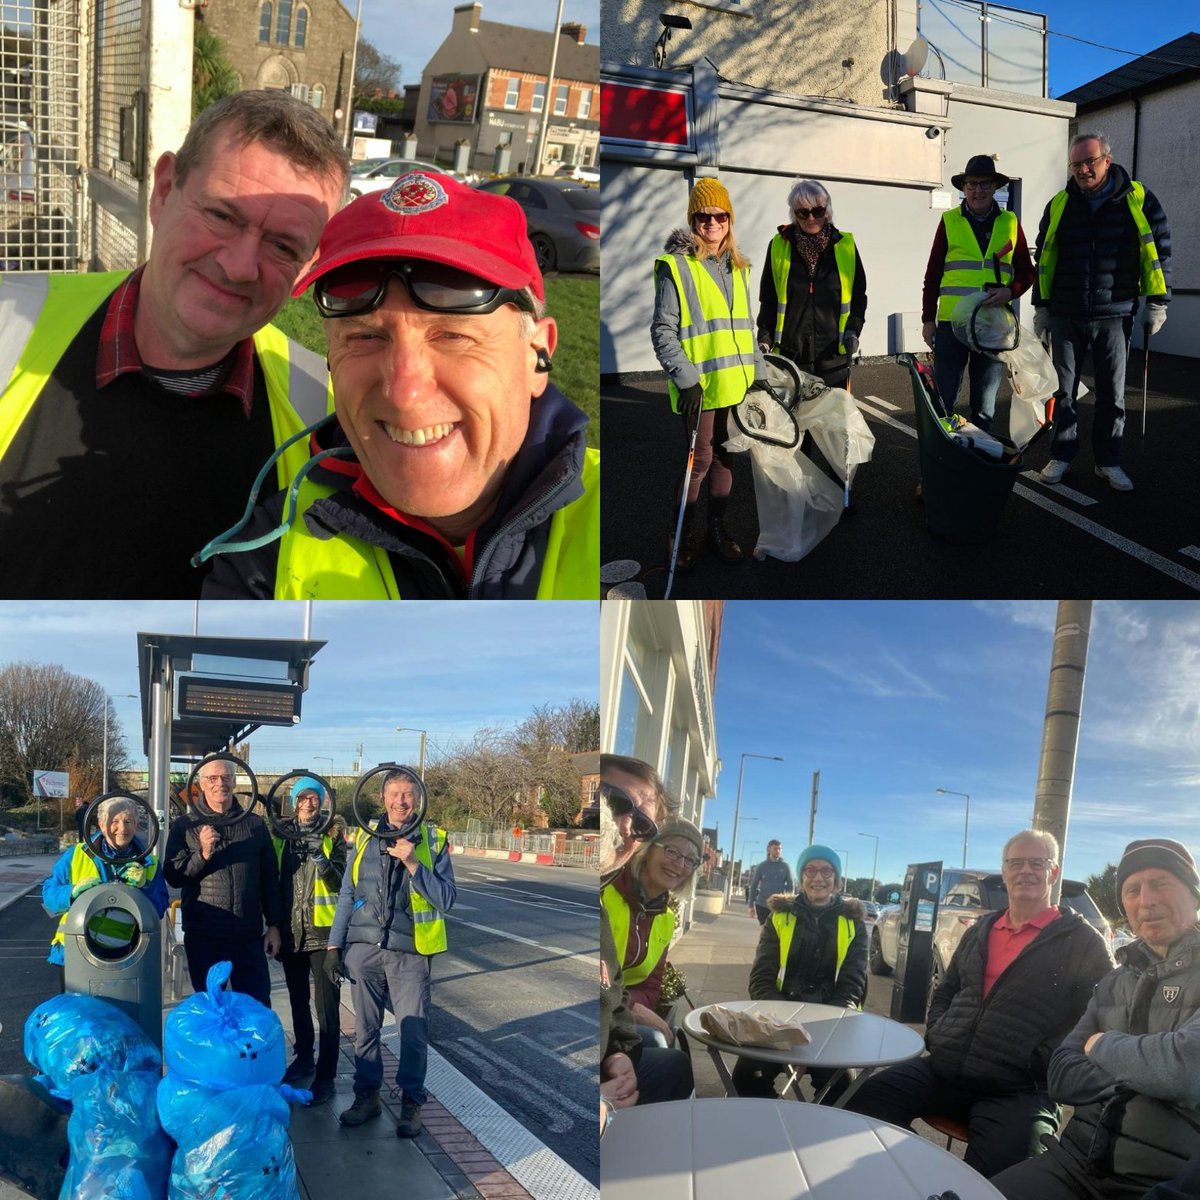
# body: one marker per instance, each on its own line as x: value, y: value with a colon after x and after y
x: 375, y: 174
x: 563, y: 218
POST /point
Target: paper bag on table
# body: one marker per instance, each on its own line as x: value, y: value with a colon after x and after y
x: 740, y: 1028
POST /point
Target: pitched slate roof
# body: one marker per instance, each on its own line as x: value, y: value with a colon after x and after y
x: 1142, y: 75
x: 519, y: 49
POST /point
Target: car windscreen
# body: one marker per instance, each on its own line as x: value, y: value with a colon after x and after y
x: 582, y: 199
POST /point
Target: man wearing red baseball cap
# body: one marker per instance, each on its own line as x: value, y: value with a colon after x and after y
x: 454, y: 469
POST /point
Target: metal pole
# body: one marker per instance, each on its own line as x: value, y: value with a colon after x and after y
x: 104, y: 752
x: 421, y: 760
x: 737, y: 808
x: 812, y: 812
x: 966, y: 816
x: 541, y: 146
x: 1060, y: 730
x: 349, y: 112
x: 874, y: 862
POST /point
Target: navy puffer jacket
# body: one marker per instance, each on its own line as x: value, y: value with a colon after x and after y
x: 1099, y: 271
x: 1002, y: 1042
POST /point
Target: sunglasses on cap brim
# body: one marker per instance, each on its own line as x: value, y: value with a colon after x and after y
x: 359, y: 287
x: 619, y: 803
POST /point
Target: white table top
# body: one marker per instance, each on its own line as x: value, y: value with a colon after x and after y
x: 841, y: 1037
x: 773, y: 1150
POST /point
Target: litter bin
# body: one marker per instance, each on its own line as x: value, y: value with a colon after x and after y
x: 502, y: 163
x: 964, y: 493
x: 112, y: 951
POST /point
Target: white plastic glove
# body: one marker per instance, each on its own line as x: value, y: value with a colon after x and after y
x: 1041, y: 322
x: 1154, y: 315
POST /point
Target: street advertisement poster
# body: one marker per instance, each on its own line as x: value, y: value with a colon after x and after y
x: 50, y: 784
x: 453, y: 98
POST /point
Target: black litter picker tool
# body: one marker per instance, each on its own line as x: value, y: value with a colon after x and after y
x: 964, y: 489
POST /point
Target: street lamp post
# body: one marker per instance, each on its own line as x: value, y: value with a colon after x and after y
x: 737, y: 809
x: 874, y: 862
x: 104, y: 752
x: 324, y: 758
x: 966, y: 816
x: 424, y: 733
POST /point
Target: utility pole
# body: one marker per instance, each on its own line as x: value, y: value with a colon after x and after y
x: 1060, y: 730
x: 541, y: 146
x: 812, y: 812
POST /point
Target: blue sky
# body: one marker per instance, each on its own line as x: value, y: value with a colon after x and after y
x: 891, y: 700
x: 410, y: 33
x: 447, y: 668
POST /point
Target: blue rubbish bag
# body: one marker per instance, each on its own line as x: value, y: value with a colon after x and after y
x: 72, y: 1035
x: 224, y: 1039
x: 233, y: 1143
x: 118, y: 1150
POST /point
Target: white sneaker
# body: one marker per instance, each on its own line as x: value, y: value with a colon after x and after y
x: 1053, y: 471
x: 1116, y: 478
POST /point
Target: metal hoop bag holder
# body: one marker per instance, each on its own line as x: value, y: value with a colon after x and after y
x: 285, y: 825
x: 236, y: 811
x: 418, y: 814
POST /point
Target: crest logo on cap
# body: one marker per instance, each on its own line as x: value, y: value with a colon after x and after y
x: 1170, y: 994
x: 414, y: 193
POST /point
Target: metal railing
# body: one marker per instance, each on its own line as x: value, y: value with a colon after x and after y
x: 573, y: 852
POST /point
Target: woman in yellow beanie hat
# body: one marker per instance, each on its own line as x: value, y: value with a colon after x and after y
x: 703, y: 336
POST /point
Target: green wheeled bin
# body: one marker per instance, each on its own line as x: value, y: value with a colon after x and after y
x: 964, y: 491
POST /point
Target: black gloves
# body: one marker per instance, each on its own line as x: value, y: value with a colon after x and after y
x: 333, y: 967
x: 690, y: 400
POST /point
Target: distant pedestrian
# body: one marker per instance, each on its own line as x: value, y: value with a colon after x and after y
x: 703, y: 336
x: 1103, y: 241
x: 771, y: 877
x: 978, y: 247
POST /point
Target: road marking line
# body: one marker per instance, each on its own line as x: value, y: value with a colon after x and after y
x: 559, y: 905
x: 1060, y: 489
x: 1134, y: 549
x: 588, y: 960
x: 1191, y: 551
x: 882, y: 401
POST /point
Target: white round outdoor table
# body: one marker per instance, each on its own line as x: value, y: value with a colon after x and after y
x: 774, y: 1150
x: 842, y: 1038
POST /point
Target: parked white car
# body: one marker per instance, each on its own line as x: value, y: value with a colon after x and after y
x: 581, y: 174
x: 376, y: 174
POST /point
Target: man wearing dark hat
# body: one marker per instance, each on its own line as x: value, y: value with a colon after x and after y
x: 1103, y: 241
x: 1131, y: 1066
x: 455, y: 470
x: 1015, y: 986
x: 977, y: 247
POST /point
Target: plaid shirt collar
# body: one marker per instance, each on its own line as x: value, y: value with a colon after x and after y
x: 118, y: 353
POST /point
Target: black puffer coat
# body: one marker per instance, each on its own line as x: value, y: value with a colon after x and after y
x: 1147, y: 1065
x: 812, y: 973
x: 1002, y: 1042
x: 814, y: 303
x: 1099, y: 273
x: 236, y: 890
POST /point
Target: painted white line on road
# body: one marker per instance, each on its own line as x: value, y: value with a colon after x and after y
x: 1134, y: 549
x: 590, y: 1022
x: 556, y: 1108
x: 588, y: 960
x: 1191, y: 551
x: 1060, y: 489
x: 881, y: 401
x: 541, y: 901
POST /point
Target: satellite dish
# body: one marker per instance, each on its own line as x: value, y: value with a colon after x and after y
x: 915, y: 56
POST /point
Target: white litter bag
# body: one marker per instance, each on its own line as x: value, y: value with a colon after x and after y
x: 1034, y: 380
x: 798, y: 504
x: 985, y: 329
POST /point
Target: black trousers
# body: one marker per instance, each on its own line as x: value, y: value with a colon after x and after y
x: 1061, y: 1174
x: 250, y: 973
x: 1004, y: 1129
x: 297, y: 969
x: 663, y: 1075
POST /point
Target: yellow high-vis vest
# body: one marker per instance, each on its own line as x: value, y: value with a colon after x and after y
x: 845, y: 256
x: 324, y: 898
x: 964, y: 272
x: 1152, y: 283
x: 659, y: 941
x: 716, y: 336
x: 344, y: 568
x: 111, y: 928
x: 429, y: 926
x: 785, y: 927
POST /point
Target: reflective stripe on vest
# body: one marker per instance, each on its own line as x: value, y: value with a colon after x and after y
x: 785, y: 926
x: 1153, y: 282
x: 324, y: 899
x: 964, y: 273
x: 345, y: 568
x: 845, y: 256
x: 429, y: 926
x: 40, y: 316
x: 113, y: 928
x: 662, y: 928
x: 718, y: 338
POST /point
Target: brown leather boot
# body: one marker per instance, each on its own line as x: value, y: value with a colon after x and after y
x: 689, y: 541
x: 721, y: 542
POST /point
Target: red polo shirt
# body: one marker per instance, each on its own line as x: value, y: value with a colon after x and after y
x: 1006, y: 941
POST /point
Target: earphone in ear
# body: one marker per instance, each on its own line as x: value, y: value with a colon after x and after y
x: 544, y: 365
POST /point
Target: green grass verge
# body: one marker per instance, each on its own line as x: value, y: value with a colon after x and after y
x: 574, y: 302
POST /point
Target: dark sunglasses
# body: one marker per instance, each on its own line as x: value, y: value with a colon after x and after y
x: 706, y: 218
x: 360, y: 287
x: 619, y: 803
x: 805, y: 213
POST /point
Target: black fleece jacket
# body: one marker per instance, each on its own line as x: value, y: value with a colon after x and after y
x: 811, y: 973
x: 1002, y: 1042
